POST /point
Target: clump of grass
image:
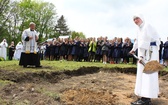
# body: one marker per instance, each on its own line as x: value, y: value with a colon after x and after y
x: 25, y: 102
x: 4, y: 83
x: 51, y: 94
x: 3, y: 102
x: 2, y: 59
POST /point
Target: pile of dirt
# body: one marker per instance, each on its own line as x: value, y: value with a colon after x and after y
x: 88, y: 97
x: 153, y: 66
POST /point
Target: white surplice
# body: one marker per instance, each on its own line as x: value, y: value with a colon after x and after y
x: 31, y: 45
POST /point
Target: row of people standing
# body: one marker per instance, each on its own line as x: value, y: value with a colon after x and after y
x: 88, y: 49
x: 83, y: 49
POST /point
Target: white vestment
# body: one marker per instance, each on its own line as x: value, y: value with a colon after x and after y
x: 3, y: 50
x: 18, y: 51
x: 147, y: 85
x: 31, y: 45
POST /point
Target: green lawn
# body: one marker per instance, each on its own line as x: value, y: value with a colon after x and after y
x: 58, y: 66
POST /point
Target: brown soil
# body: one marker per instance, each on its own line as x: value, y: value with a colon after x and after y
x: 86, y: 86
x: 153, y: 66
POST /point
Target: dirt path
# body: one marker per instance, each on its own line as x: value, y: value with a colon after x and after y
x: 99, y: 88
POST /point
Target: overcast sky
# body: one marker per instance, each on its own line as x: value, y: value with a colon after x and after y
x: 112, y: 18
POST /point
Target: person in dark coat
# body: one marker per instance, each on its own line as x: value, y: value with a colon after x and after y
x: 165, y: 54
x: 62, y: 50
x: 11, y: 50
x: 52, y: 50
x: 77, y: 51
x: 105, y: 49
x: 160, y: 50
x: 70, y: 45
x: 81, y: 51
x: 74, y: 47
x: 47, y: 52
x: 111, y: 51
x: 127, y: 46
x: 66, y: 49
x: 98, y: 50
x: 124, y: 47
x: 85, y: 50
x: 56, y: 48
x: 117, y: 50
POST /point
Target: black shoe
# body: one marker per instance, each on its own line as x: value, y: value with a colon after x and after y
x: 146, y: 100
x: 24, y: 66
x: 140, y: 102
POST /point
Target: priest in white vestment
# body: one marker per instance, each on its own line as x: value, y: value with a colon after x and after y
x: 147, y: 42
x: 29, y: 55
x: 3, y: 49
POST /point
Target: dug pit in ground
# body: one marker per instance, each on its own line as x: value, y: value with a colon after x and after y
x: 91, y: 86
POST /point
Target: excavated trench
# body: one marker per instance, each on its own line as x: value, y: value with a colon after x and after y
x: 85, y: 86
x: 56, y: 76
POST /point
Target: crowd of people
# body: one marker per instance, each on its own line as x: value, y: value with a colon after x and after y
x: 97, y: 50
x: 91, y: 49
x: 87, y: 50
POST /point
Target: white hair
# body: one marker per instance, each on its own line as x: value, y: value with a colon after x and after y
x: 32, y: 23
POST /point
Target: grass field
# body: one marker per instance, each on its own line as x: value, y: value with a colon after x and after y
x: 59, y: 66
